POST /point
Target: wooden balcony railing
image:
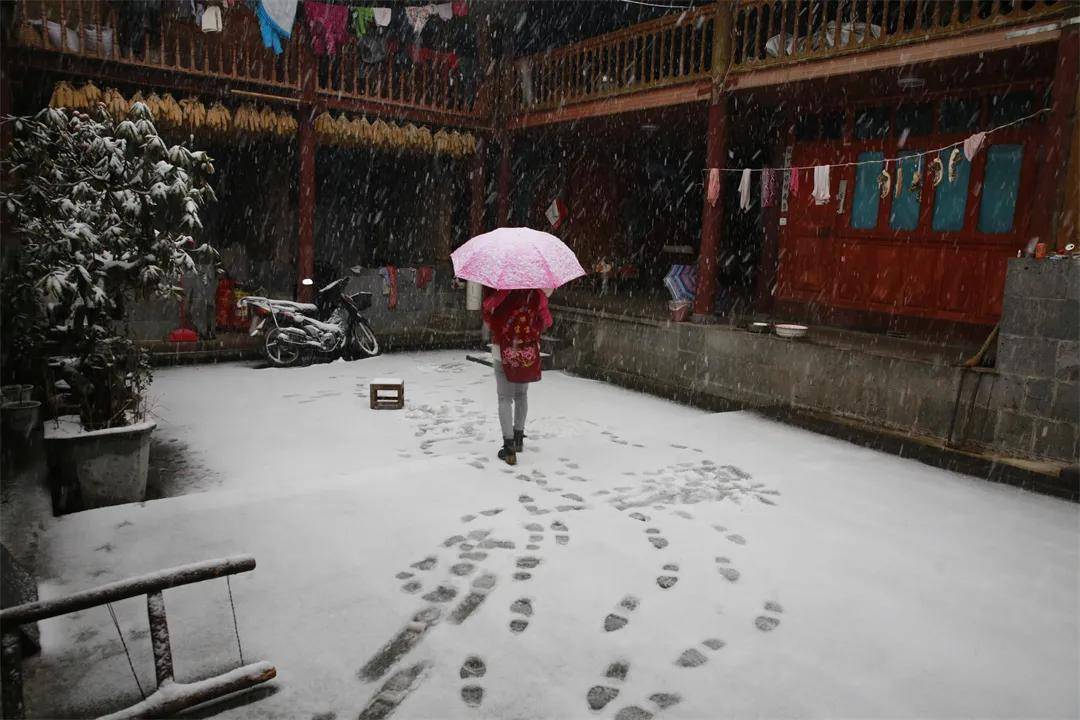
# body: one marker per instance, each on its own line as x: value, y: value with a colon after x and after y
x: 670, y: 50
x: 768, y: 33
x: 118, y: 33
x: 434, y: 81
x: 110, y: 31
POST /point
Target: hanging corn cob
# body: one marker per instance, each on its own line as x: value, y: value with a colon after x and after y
x: 91, y: 94
x: 285, y: 124
x: 115, y: 104
x: 171, y: 114
x: 218, y: 118
x: 63, y: 95
x: 192, y: 113
x: 324, y: 125
x: 439, y: 141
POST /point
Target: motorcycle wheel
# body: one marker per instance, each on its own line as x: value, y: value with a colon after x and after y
x: 279, y: 352
x: 365, y: 344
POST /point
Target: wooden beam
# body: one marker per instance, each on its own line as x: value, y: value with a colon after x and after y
x: 895, y: 57
x: 173, y: 697
x: 689, y: 92
x: 132, y: 587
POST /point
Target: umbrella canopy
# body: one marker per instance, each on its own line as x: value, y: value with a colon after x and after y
x: 516, y: 258
x: 681, y: 282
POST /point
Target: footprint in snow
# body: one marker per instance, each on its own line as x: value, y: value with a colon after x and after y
x: 728, y: 573
x: 425, y: 564
x: 668, y: 581
x: 523, y: 607
x: 599, y: 696
x: 615, y: 622
x: 767, y: 623
x: 737, y: 539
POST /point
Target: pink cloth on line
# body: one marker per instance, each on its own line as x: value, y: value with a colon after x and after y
x: 794, y: 182
x: 768, y: 187
x: 713, y: 193
x: 418, y: 16
x: 329, y: 25
x: 973, y: 144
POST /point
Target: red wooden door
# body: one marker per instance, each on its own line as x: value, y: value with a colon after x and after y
x: 906, y: 259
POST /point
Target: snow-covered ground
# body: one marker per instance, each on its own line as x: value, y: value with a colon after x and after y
x: 700, y: 565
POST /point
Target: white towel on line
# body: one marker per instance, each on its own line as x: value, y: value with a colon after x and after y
x: 821, y: 184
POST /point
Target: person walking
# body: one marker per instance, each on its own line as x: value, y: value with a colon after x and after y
x: 516, y: 319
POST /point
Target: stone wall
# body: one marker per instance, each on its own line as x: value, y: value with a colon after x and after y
x: 1026, y: 407
x: 1036, y: 411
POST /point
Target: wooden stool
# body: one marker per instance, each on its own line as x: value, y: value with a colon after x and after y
x: 387, y: 394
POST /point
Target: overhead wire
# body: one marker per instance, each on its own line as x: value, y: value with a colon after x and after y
x: 884, y: 161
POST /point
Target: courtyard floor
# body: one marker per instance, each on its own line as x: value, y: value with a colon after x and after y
x: 644, y: 557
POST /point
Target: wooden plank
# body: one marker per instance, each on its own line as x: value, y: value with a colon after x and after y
x: 889, y: 57
x: 122, y: 589
x: 661, y: 97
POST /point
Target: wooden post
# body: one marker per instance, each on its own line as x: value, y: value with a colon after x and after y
x: 502, y: 218
x: 159, y: 637
x: 477, y: 189
x: 11, y: 683
x: 308, y: 71
x: 712, y: 216
x: 305, y: 241
x: 1055, y: 152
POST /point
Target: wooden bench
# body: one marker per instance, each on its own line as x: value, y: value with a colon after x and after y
x: 387, y: 394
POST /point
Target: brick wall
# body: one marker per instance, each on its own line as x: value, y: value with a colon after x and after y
x: 1036, y: 411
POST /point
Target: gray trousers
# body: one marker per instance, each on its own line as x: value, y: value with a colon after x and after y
x: 513, y: 402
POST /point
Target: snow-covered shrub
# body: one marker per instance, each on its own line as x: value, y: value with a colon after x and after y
x: 105, y: 213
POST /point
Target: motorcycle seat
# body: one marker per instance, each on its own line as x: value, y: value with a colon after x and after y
x: 287, y: 305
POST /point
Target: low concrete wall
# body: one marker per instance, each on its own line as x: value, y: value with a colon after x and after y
x: 1026, y: 407
x: 725, y: 367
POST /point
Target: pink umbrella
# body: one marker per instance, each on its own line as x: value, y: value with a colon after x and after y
x: 516, y: 258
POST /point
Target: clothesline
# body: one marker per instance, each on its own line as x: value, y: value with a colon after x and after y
x: 655, y: 4
x: 884, y: 161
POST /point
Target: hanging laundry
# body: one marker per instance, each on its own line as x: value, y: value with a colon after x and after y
x: 713, y: 193
x: 424, y: 275
x: 768, y: 187
x: 389, y: 277
x: 973, y: 144
x: 328, y: 25
x: 371, y: 48
x: 461, y: 8
x: 821, y: 184
x: 744, y: 190
x: 361, y: 18
x: 211, y: 20
x: 445, y: 10
x: 418, y: 16
x: 382, y: 16
x: 276, y: 18
x: 794, y: 182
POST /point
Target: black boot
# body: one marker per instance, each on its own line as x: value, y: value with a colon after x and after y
x: 508, y: 455
x: 519, y: 440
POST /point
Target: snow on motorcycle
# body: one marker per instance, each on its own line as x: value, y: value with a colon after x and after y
x: 297, y: 333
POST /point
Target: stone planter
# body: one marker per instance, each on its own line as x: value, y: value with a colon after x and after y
x: 21, y: 417
x: 99, y: 467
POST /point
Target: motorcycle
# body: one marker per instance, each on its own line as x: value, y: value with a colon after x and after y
x: 296, y: 333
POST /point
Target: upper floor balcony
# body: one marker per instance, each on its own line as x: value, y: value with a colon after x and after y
x: 665, y: 61
x: 119, y: 43
x: 756, y: 42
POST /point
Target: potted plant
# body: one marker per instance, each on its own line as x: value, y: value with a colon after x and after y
x: 106, y: 214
